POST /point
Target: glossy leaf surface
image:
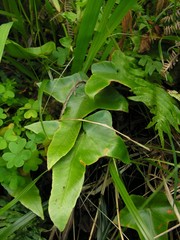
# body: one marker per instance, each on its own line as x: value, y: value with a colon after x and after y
x: 94, y: 142
x: 78, y: 106
x: 4, y: 31
x: 49, y: 126
x: 122, y: 69
x: 68, y: 173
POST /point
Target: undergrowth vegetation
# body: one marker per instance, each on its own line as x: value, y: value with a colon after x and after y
x: 89, y: 119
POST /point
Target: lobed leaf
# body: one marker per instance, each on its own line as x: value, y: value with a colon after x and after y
x: 70, y: 91
x: 94, y: 140
x: 68, y: 174
x: 50, y: 127
x: 123, y: 70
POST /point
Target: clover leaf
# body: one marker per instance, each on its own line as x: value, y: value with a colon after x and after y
x: 10, y: 135
x: 36, y: 138
x: 2, y: 116
x: 2, y: 89
x: 32, y: 108
x: 17, y: 155
x: 7, y: 135
x: 11, y: 178
x: 60, y: 55
x: 32, y: 163
x: 8, y: 94
x: 3, y: 143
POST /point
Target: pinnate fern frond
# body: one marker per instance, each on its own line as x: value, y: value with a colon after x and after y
x: 171, y: 62
x: 171, y: 23
x: 163, y: 107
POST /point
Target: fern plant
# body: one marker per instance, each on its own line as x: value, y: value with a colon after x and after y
x: 171, y: 29
x: 123, y: 69
x: 84, y: 131
x: 172, y: 60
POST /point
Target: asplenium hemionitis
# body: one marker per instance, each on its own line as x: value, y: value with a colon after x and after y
x: 123, y: 69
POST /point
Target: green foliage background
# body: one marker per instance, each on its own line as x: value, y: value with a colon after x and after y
x: 73, y: 74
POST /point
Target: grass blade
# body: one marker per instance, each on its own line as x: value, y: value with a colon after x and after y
x: 4, y: 31
x: 107, y: 26
x: 20, y: 195
x: 20, y: 223
x: 128, y: 202
x: 85, y: 33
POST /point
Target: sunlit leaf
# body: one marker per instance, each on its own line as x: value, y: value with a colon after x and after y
x: 4, y: 31
x: 3, y: 143
x: 94, y: 140
x: 79, y: 106
x: 50, y: 127
x: 68, y: 178
x: 31, y: 113
x: 122, y: 69
x: 68, y: 173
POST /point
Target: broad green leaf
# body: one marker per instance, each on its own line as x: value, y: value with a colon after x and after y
x: 4, y: 31
x: 68, y: 174
x: 94, y: 140
x: 79, y: 106
x: 110, y: 99
x: 60, y: 88
x: 122, y: 69
x: 50, y: 127
x: 28, y: 195
x: 17, y: 51
x: 156, y: 214
x: 62, y: 142
x: 67, y: 181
